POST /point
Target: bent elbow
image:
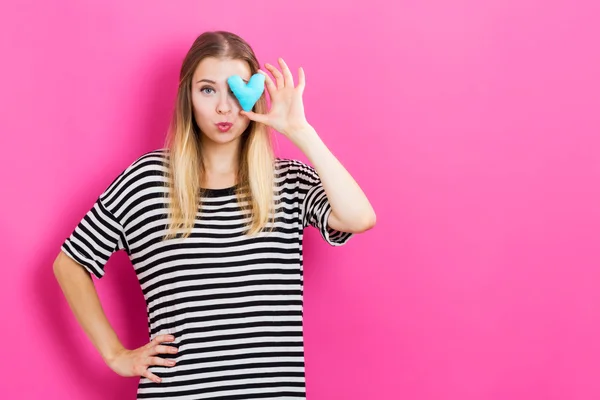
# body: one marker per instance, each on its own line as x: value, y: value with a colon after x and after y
x: 366, y: 224
x: 371, y: 221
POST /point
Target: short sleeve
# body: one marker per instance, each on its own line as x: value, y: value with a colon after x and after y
x: 97, y: 236
x: 315, y: 208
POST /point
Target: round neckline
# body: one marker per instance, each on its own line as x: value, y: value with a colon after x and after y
x: 218, y: 192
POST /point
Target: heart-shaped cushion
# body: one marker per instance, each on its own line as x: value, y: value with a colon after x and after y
x: 248, y: 94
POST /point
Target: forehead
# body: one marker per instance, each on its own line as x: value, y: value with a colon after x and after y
x: 219, y: 69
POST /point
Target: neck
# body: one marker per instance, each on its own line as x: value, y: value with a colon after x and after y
x: 220, y: 159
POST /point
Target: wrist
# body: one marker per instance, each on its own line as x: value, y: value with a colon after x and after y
x: 304, y: 137
x: 110, y: 354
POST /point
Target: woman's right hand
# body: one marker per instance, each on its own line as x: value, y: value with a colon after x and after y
x: 136, y: 362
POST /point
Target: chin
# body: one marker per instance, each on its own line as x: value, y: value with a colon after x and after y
x: 222, y: 138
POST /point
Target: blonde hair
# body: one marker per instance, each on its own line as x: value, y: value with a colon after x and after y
x: 256, y: 159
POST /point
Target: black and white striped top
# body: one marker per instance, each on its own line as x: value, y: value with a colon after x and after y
x: 233, y: 302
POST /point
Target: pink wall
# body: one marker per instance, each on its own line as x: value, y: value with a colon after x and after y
x: 472, y: 126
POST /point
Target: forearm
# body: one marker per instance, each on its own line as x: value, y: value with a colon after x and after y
x: 348, y: 202
x: 81, y: 295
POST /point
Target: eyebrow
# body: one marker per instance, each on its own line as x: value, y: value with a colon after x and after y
x: 213, y: 82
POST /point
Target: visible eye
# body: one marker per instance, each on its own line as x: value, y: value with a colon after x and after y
x: 206, y: 88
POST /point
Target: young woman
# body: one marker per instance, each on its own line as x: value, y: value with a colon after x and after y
x: 213, y: 225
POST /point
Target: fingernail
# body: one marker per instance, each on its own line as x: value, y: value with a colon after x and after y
x: 171, y: 362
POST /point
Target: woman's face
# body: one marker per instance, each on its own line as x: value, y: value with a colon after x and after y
x: 213, y: 101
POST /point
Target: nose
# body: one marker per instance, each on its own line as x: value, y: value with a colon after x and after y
x: 224, y: 104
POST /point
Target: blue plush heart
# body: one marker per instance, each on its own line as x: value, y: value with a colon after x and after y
x: 248, y: 94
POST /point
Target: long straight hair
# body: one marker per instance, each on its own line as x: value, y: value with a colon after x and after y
x: 255, y: 174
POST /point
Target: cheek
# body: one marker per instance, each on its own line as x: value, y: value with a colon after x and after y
x: 201, y: 107
x: 235, y: 105
x: 244, y: 124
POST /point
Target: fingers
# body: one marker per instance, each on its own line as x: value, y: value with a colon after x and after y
x: 160, y: 339
x: 301, y: 79
x: 278, y: 76
x: 151, y: 361
x: 260, y: 118
x: 161, y: 349
x: 151, y: 376
x: 160, y: 362
x: 287, y: 74
x: 153, y: 348
x: 284, y: 78
x: 268, y: 82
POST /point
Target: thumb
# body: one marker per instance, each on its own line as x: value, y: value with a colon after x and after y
x: 262, y: 118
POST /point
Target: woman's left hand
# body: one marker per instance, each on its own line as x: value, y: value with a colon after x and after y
x: 287, y: 110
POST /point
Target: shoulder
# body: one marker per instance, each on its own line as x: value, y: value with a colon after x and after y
x: 155, y: 160
x: 294, y: 169
x: 148, y: 168
x: 296, y: 173
x: 151, y: 159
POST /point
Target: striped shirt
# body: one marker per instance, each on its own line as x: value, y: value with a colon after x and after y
x: 233, y: 302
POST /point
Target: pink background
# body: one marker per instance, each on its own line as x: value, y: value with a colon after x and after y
x: 472, y: 126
